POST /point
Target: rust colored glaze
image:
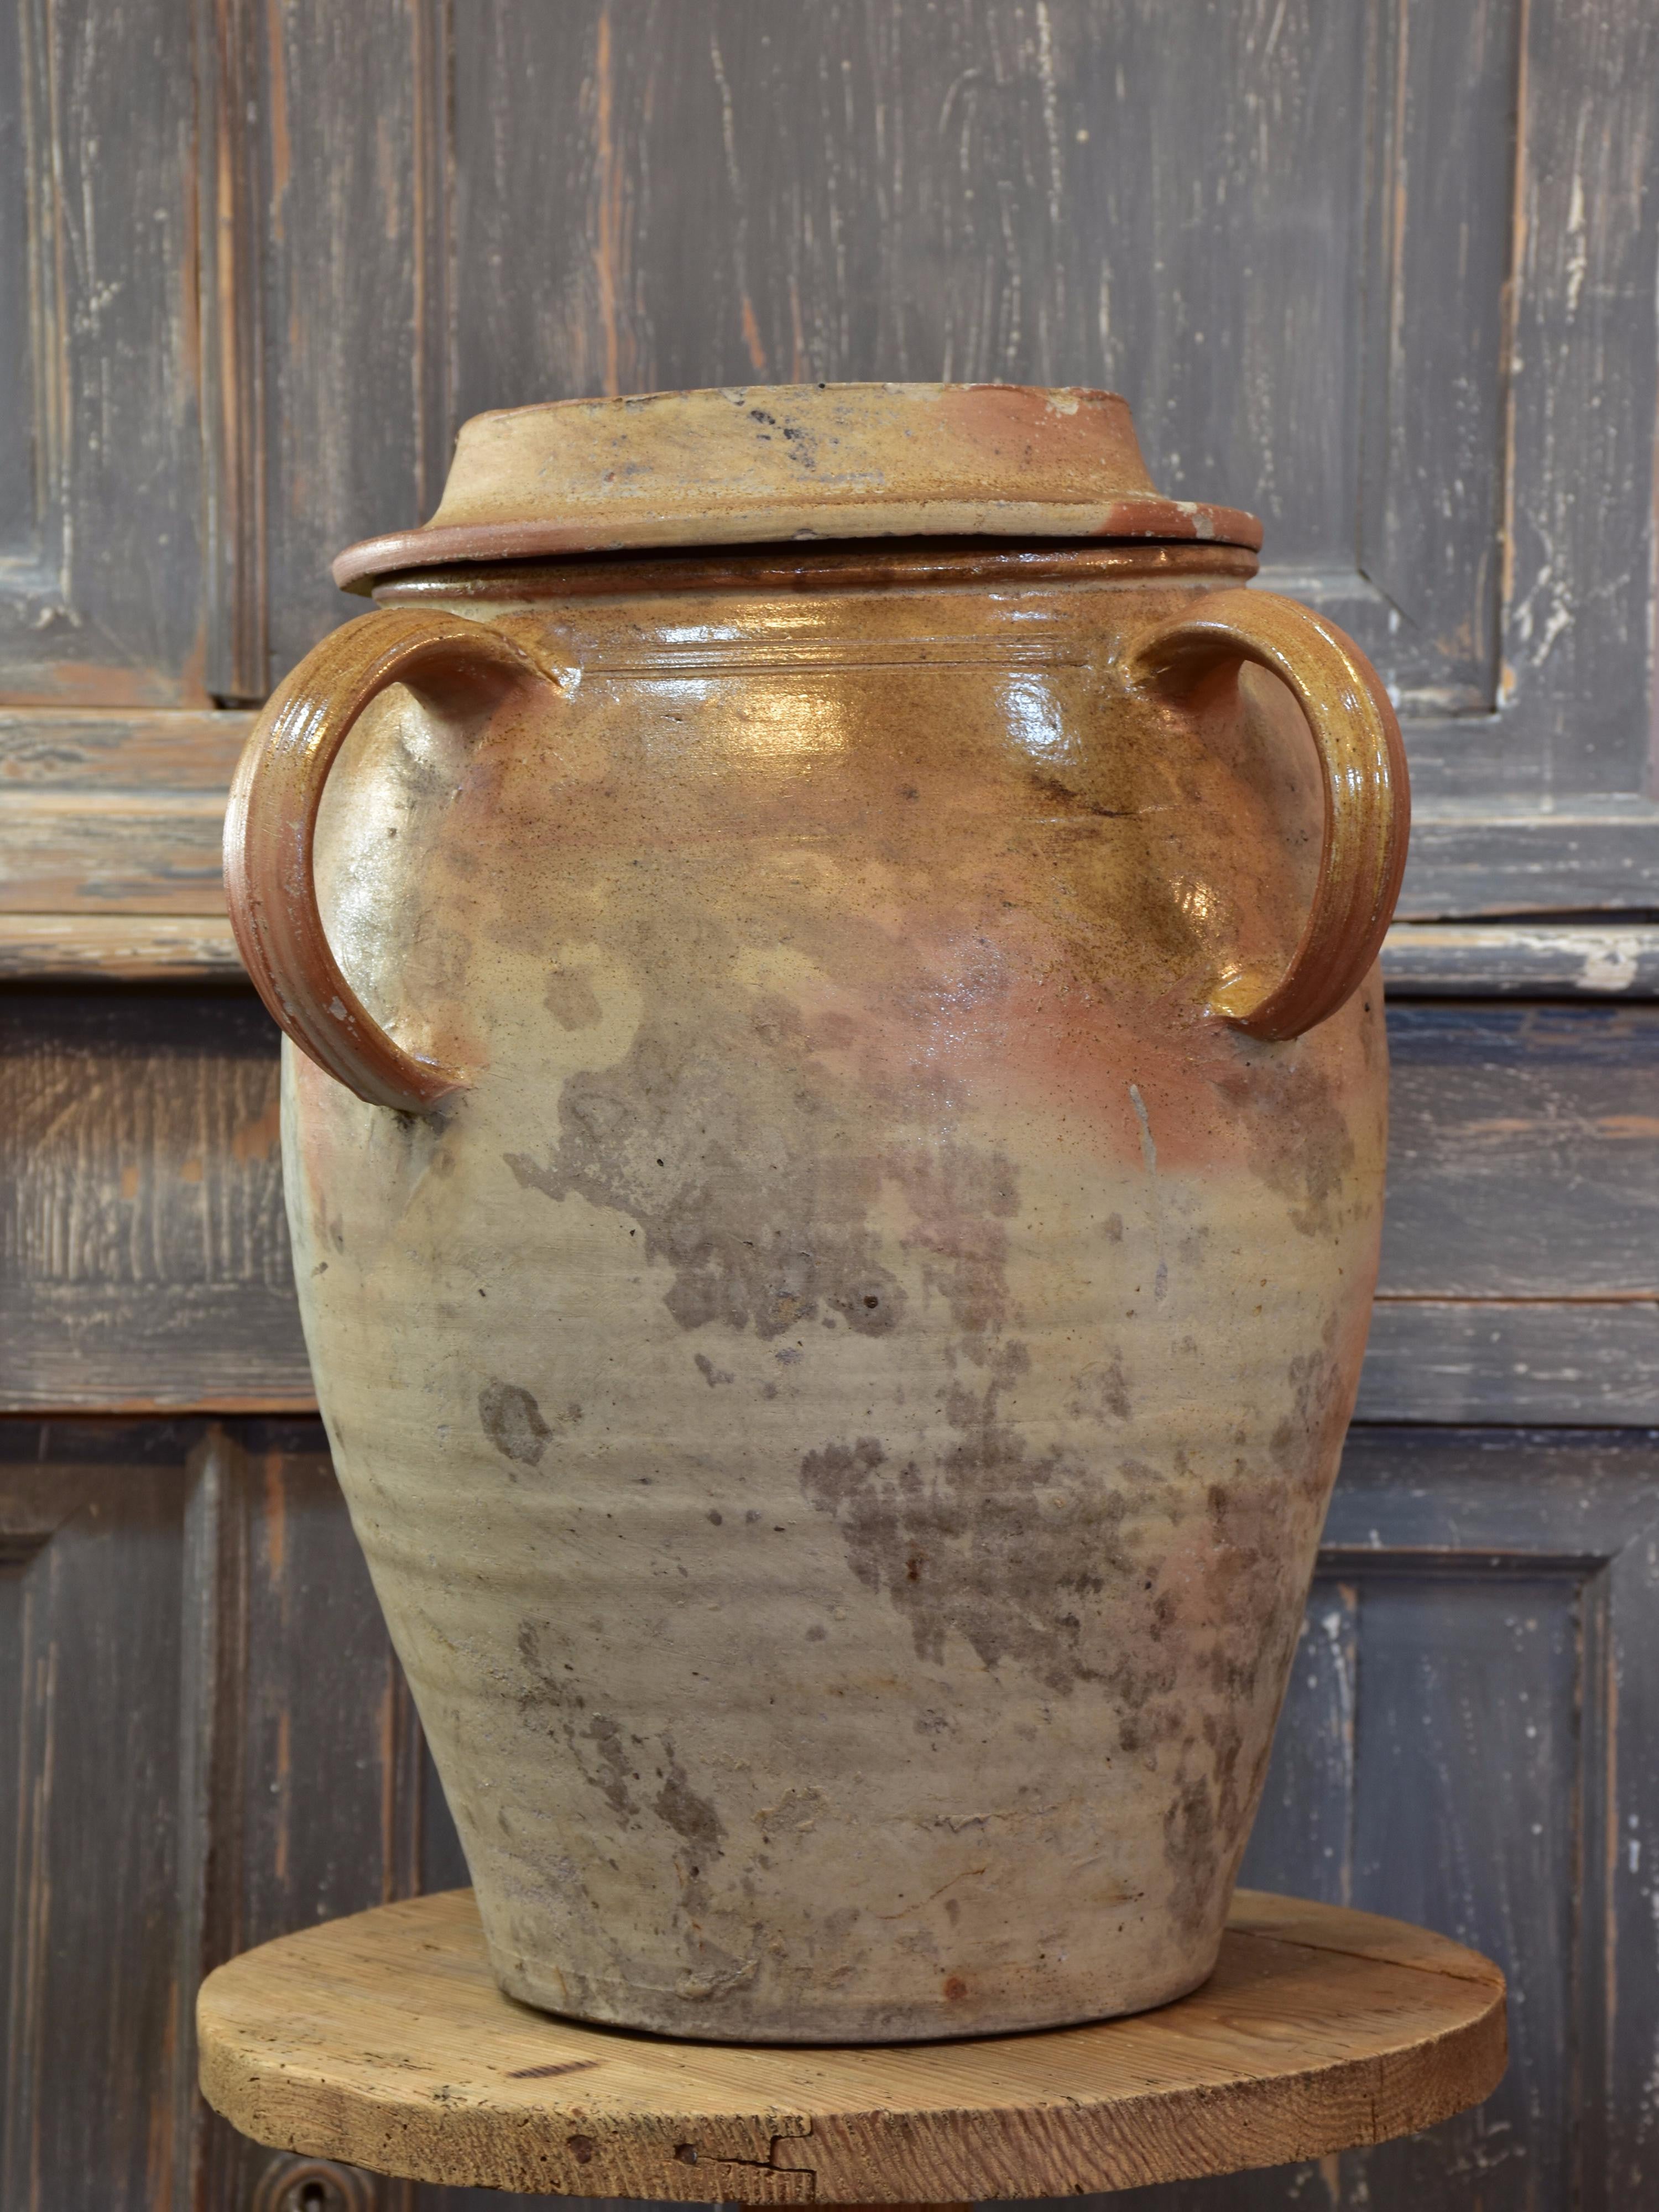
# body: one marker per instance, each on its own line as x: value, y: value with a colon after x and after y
x: 838, y: 1295
x: 745, y: 464
x: 271, y: 821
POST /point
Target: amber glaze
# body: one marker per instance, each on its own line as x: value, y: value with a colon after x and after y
x: 838, y: 1344
x: 744, y: 464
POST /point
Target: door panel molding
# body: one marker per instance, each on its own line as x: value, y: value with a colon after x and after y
x: 99, y: 577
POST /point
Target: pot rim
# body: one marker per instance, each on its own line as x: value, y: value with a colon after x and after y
x: 766, y: 464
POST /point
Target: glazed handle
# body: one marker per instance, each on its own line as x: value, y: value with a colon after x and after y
x: 1366, y: 793
x: 271, y: 829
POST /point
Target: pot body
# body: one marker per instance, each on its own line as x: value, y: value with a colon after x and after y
x: 840, y: 1409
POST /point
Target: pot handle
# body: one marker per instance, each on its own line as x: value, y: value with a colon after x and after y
x: 1367, y: 794
x: 270, y: 829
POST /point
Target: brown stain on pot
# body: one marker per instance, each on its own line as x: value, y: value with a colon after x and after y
x: 1298, y: 1137
x: 985, y: 1538
x: 570, y: 999
x: 762, y: 1227
x: 513, y: 1422
x: 691, y: 1816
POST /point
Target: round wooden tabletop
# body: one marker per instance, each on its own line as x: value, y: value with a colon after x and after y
x: 382, y: 2041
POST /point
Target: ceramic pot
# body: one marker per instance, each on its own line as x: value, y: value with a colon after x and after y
x: 835, y: 1155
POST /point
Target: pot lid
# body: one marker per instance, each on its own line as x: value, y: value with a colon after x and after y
x: 756, y: 464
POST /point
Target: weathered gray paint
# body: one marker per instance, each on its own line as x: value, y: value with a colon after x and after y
x: 1523, y: 1152
x: 1607, y: 957
x: 1432, y: 1360
x: 100, y: 435
x: 143, y: 1260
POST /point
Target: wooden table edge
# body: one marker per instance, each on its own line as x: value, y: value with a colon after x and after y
x: 969, y: 2153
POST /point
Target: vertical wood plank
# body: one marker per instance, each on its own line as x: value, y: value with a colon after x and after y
x: 1618, y: 2079
x: 89, y: 1633
x: 966, y: 190
x: 213, y: 1699
x: 100, y: 599
x: 1577, y: 642
x: 301, y: 1796
x: 1475, y: 1674
x: 325, y: 270
x: 357, y: 313
x: 1303, y: 1839
x: 1439, y: 200
x: 227, y: 46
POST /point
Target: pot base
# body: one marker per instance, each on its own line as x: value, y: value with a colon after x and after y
x: 685, y: 2018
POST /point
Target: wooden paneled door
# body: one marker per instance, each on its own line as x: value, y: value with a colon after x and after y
x: 1383, y: 271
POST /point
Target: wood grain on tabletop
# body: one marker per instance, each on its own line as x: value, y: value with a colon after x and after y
x: 384, y: 2040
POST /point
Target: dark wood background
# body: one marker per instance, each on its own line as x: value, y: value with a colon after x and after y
x: 1381, y: 269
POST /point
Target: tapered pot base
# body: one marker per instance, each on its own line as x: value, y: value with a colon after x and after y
x: 632, y: 2007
